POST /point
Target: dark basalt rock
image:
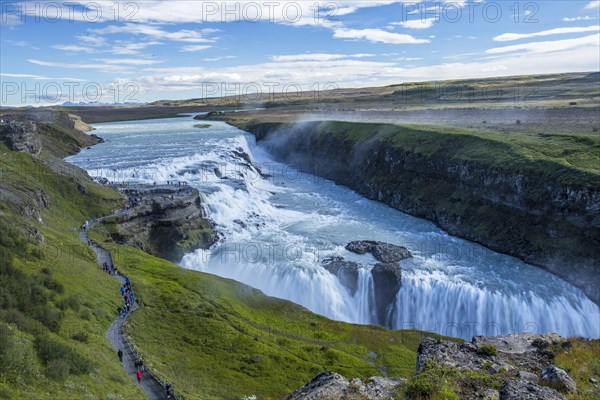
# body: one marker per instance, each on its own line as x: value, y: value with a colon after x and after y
x: 387, y: 282
x: 383, y: 252
x: 346, y: 271
x: 361, y: 246
x: 389, y: 253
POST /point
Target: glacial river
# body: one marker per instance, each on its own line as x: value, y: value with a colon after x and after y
x: 277, y: 229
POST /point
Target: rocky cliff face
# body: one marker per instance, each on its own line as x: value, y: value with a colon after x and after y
x: 59, y: 133
x: 511, y: 210
x: 165, y: 221
x: 20, y: 134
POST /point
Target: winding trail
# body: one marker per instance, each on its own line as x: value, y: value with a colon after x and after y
x: 150, y: 384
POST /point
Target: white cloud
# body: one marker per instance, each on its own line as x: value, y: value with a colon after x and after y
x: 127, y: 61
x: 592, y: 5
x: 214, y: 59
x: 425, y: 23
x: 108, y: 65
x: 186, y: 35
x: 74, y: 48
x: 41, y: 78
x: 194, y: 48
x: 127, y: 48
x: 574, y: 19
x: 557, y: 31
x: 92, y: 40
x: 592, y: 42
x: 377, y: 36
x: 317, y: 57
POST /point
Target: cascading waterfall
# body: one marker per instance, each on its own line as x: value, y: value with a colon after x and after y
x: 278, y: 228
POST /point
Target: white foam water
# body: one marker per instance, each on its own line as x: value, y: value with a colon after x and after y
x: 277, y: 229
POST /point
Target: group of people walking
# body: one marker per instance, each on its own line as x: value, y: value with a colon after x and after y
x: 129, y: 301
x: 128, y: 298
x: 109, y: 269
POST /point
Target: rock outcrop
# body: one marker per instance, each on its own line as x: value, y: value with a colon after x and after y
x: 330, y: 385
x: 166, y: 221
x: 346, y: 271
x: 521, y: 365
x: 20, y: 134
x: 387, y: 281
x: 522, y: 362
x: 559, y: 379
x: 523, y: 390
x: 383, y: 252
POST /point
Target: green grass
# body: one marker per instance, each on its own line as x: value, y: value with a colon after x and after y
x: 44, y: 353
x: 568, y: 158
x: 219, y: 339
x: 581, y: 359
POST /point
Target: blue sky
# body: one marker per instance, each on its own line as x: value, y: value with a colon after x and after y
x: 107, y: 51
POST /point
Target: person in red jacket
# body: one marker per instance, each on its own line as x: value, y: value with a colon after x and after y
x: 138, y: 374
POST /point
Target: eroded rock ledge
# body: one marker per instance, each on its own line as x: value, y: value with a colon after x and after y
x: 517, y: 366
x: 166, y: 221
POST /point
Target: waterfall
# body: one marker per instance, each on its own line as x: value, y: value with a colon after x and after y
x: 277, y: 229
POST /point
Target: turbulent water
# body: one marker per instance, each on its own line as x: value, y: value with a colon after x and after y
x: 278, y: 228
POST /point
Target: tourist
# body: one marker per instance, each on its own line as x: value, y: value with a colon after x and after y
x: 120, y: 354
x: 138, y: 374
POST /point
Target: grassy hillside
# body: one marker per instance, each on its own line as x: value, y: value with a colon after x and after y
x: 219, y: 339
x: 55, y: 304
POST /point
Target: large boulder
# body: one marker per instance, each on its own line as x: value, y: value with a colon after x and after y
x: 361, y: 246
x: 383, y: 252
x: 329, y: 385
x: 524, y: 390
x: 559, y: 379
x: 326, y: 385
x: 390, y: 253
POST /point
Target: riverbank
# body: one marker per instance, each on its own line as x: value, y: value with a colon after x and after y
x: 531, y: 196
